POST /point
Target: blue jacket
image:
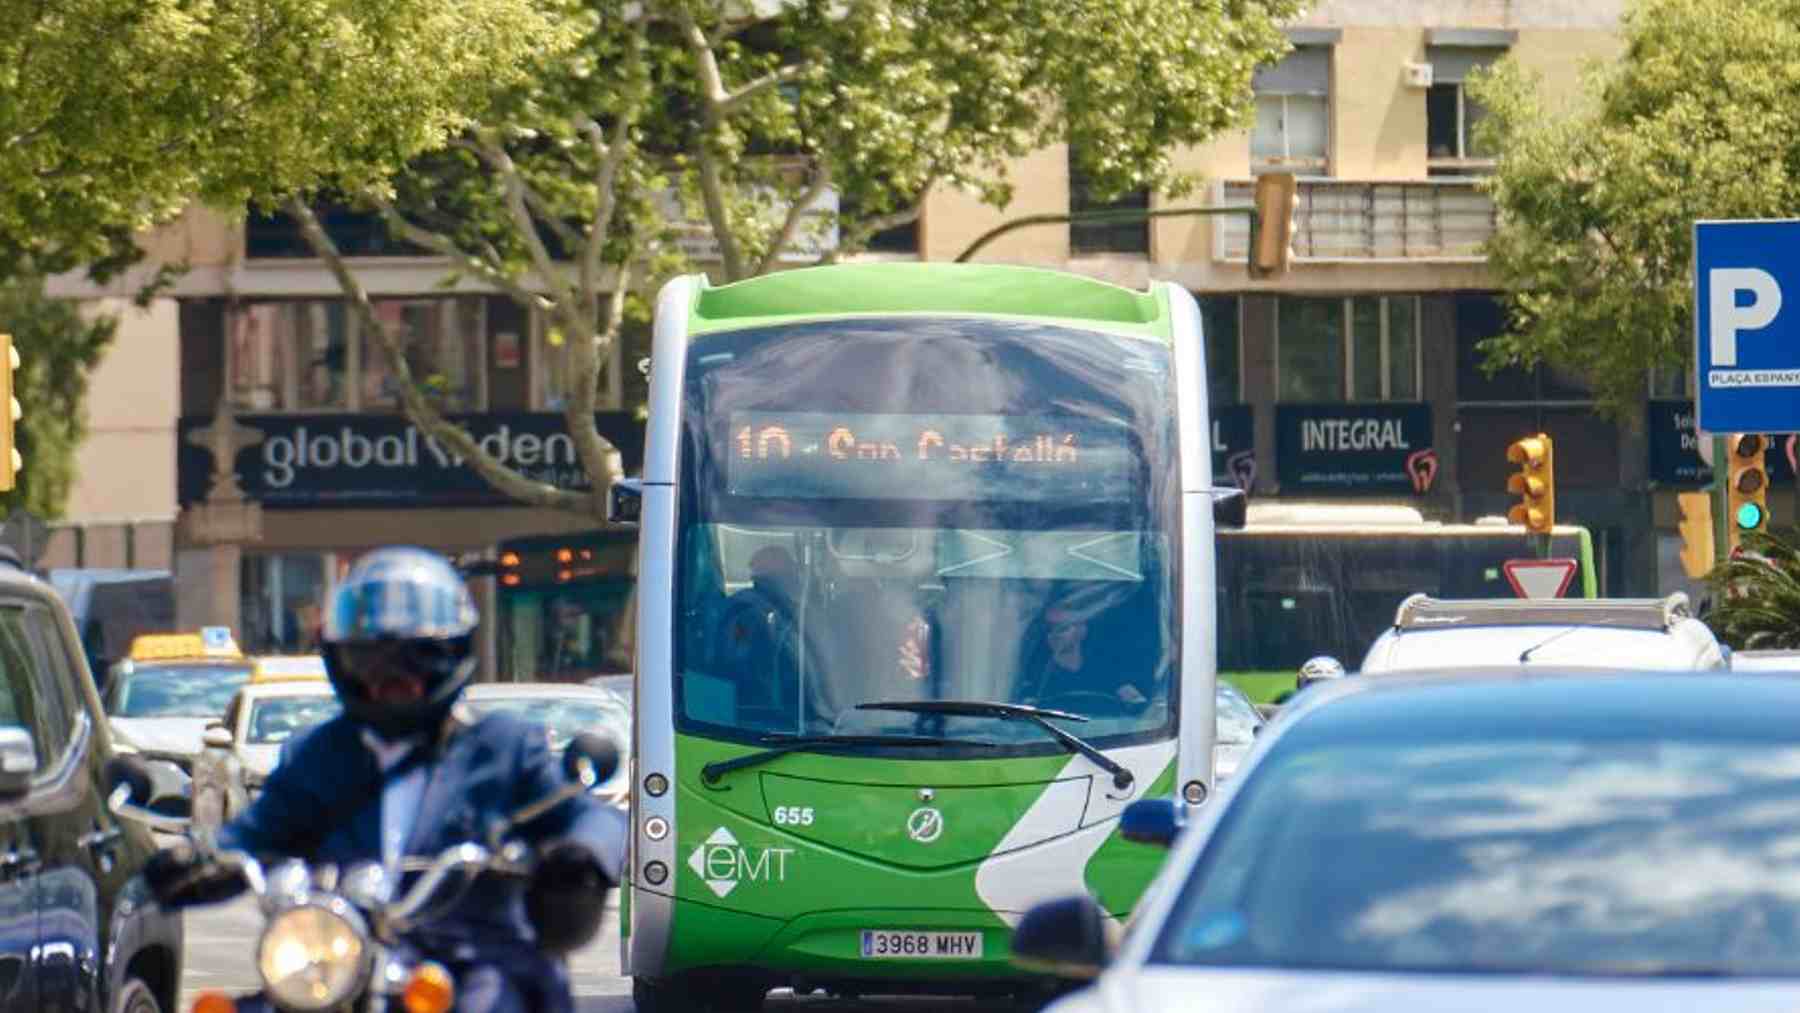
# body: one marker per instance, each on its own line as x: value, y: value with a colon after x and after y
x: 322, y: 803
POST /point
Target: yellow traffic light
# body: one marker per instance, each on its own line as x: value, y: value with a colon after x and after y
x: 1273, y: 226
x: 1534, y: 483
x: 1696, y: 533
x: 11, y: 463
x: 1746, y: 485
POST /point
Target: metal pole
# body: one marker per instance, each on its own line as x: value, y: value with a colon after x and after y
x: 1098, y: 217
x: 1721, y: 470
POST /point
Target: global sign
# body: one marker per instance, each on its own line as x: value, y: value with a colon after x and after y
x: 346, y: 460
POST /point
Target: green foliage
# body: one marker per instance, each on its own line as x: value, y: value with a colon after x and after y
x: 1756, y: 601
x: 115, y: 113
x: 1698, y: 119
x: 733, y: 115
x: 684, y: 133
x: 57, y: 348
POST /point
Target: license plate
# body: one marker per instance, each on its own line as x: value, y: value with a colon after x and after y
x: 884, y: 944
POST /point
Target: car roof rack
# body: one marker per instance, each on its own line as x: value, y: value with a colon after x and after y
x: 1421, y: 611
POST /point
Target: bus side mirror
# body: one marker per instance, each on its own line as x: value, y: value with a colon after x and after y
x: 625, y: 501
x: 1231, y: 508
x: 1151, y: 821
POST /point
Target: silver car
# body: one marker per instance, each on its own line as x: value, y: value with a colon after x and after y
x: 1472, y: 841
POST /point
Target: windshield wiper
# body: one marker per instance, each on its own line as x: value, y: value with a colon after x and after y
x: 781, y: 745
x: 1039, y: 716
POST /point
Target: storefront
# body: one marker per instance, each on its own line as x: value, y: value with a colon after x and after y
x: 323, y: 466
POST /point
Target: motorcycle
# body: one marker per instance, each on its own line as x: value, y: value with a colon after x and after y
x: 337, y: 942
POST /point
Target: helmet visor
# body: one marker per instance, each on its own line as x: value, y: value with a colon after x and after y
x: 399, y: 671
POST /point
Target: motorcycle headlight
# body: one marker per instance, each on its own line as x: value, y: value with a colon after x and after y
x: 314, y: 956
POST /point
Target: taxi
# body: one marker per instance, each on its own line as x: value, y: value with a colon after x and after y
x: 161, y: 696
x: 285, y: 667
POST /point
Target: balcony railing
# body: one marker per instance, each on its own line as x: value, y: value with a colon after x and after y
x: 1342, y: 221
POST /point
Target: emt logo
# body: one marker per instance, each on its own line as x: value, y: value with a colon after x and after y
x: 722, y: 864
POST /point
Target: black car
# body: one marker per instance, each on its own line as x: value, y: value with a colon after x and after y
x: 78, y: 930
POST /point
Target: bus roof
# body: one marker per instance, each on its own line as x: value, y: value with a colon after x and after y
x: 1368, y: 518
x: 888, y: 289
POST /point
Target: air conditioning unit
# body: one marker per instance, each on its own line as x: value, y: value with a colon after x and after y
x: 1418, y: 75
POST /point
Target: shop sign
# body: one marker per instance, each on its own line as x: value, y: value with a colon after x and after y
x: 366, y: 460
x: 1233, y: 446
x: 1675, y: 448
x: 1355, y: 448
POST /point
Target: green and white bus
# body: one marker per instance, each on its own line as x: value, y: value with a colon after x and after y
x: 925, y: 598
x: 1300, y: 580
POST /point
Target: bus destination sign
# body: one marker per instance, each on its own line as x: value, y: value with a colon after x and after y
x: 971, y: 458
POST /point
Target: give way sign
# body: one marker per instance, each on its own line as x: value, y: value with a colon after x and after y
x: 1539, y: 578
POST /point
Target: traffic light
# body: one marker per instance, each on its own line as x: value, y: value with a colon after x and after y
x: 1534, y: 483
x: 1272, y: 227
x: 1746, y: 485
x: 11, y: 463
x: 1696, y: 533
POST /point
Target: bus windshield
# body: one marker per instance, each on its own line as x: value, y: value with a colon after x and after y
x: 926, y: 509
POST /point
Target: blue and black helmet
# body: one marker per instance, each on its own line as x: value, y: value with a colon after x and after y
x: 400, y: 612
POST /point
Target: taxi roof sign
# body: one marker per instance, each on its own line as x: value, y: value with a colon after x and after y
x: 272, y: 668
x: 211, y: 642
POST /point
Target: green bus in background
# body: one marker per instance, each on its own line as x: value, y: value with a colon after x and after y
x: 1301, y: 580
x: 925, y: 598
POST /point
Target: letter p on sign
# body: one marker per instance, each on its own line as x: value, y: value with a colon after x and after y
x: 1727, y: 318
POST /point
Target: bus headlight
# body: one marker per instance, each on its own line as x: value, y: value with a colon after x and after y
x: 313, y: 956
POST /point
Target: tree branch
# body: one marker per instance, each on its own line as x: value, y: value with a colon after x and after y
x: 442, y: 244
x: 609, y: 154
x: 743, y: 96
x: 791, y: 223
x: 584, y: 371
x: 421, y: 411
x: 853, y: 238
x: 712, y: 184
x: 515, y: 188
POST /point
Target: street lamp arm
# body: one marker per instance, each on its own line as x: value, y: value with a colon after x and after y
x: 1100, y: 217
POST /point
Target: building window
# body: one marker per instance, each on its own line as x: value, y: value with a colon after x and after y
x: 291, y: 356
x: 1129, y: 236
x: 1293, y: 114
x: 356, y: 234
x: 1480, y: 316
x: 279, y: 601
x: 442, y: 338
x: 1451, y: 114
x: 1362, y: 348
x: 621, y: 384
x: 313, y: 355
x: 1219, y: 325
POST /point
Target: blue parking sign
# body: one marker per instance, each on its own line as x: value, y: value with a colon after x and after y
x: 1747, y: 326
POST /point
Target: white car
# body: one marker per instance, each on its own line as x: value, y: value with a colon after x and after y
x: 245, y: 745
x: 1476, y: 841
x: 160, y: 709
x: 565, y: 709
x: 1765, y: 661
x: 1648, y: 633
x: 1238, y: 723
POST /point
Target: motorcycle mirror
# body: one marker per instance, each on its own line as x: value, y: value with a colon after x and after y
x: 130, y: 772
x: 590, y: 759
x: 131, y: 793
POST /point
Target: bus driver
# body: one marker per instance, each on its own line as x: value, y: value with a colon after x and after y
x: 1072, y: 666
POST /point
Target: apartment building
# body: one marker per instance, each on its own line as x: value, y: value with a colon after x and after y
x: 1354, y: 376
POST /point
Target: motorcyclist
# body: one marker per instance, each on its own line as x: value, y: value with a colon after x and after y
x: 404, y: 771
x: 1322, y: 668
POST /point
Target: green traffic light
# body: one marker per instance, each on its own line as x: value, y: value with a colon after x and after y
x: 1749, y: 517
